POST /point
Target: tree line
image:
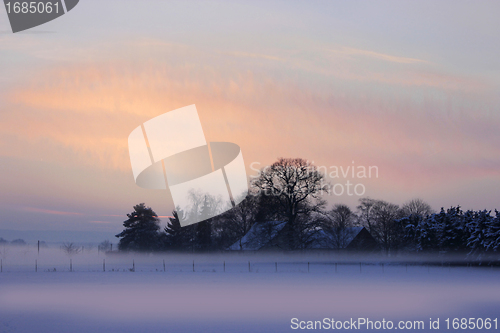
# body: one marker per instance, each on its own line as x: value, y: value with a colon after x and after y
x: 290, y: 191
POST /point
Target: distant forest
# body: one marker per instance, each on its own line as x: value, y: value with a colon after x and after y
x: 289, y: 191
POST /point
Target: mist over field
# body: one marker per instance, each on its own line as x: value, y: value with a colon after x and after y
x: 367, y: 131
x: 251, y: 292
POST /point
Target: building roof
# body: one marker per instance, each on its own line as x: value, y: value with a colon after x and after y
x: 261, y: 234
x: 326, y: 239
x: 264, y: 234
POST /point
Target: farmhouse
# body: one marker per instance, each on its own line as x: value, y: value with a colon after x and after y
x: 272, y: 235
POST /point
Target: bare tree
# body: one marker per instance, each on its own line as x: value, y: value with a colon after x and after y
x: 295, y: 186
x: 239, y: 220
x: 365, y: 213
x: 416, y: 207
x: 381, y: 220
x: 71, y: 248
x: 340, y: 219
x: 202, y: 206
x: 388, y: 230
x: 104, y: 246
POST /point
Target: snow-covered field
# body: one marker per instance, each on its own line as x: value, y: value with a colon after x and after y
x: 235, y: 300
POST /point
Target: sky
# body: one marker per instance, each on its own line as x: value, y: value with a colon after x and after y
x: 408, y: 87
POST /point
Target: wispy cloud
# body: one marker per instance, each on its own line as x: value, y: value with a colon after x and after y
x: 376, y: 55
x: 50, y: 211
x: 397, y: 119
x: 102, y: 104
x: 59, y: 212
x: 253, y: 55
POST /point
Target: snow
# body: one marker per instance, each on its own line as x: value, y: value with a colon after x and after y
x: 211, y: 300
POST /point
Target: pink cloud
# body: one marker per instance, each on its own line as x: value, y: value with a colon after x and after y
x: 414, y: 120
x: 50, y: 211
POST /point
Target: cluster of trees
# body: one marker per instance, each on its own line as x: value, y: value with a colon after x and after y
x: 415, y: 227
x: 142, y: 230
x: 476, y: 233
x: 14, y: 242
x: 384, y: 220
x: 290, y: 191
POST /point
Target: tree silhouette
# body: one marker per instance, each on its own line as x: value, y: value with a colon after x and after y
x: 204, y: 228
x: 141, y: 230
x: 416, y: 207
x: 294, y: 186
x: 105, y: 245
x: 178, y: 238
x: 240, y: 219
x: 339, y: 219
x: 71, y: 248
x: 173, y: 232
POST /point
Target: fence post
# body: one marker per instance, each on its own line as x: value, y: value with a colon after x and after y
x: 133, y: 265
x: 276, y: 265
x: 70, y: 265
x: 224, y: 266
x: 1, y: 265
x: 36, y: 265
x: 104, y: 265
x: 335, y: 267
x: 164, y: 265
x: 193, y: 265
x: 308, y: 267
x: 38, y: 247
x: 249, y: 266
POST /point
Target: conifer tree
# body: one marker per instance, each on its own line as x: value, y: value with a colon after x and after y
x: 141, y: 230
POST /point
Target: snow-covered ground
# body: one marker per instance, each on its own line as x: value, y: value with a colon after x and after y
x: 235, y: 300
